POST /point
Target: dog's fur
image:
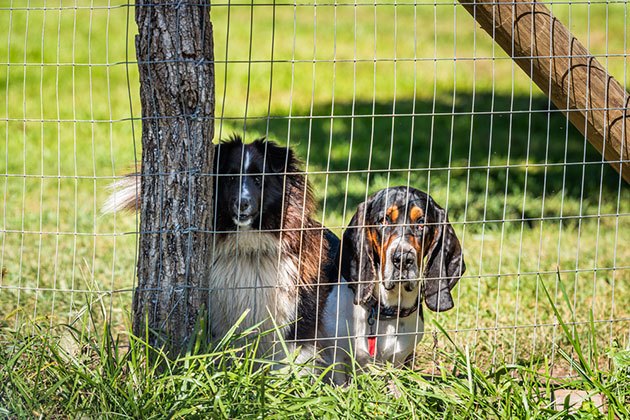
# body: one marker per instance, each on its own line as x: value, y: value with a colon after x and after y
x: 270, y: 256
x: 398, y: 249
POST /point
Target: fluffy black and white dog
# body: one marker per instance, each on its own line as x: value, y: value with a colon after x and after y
x: 398, y: 250
x: 270, y: 257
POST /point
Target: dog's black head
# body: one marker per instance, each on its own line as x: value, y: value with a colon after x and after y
x: 251, y: 183
x: 397, y: 238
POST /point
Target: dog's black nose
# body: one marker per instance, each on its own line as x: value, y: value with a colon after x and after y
x: 403, y: 260
x: 243, y: 206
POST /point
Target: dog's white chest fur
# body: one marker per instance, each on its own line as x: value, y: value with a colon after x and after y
x: 250, y: 272
x: 347, y: 330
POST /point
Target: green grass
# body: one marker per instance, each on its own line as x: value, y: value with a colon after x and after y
x: 63, y: 372
x: 459, y: 129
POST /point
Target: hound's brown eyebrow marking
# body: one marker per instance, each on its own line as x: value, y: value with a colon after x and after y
x: 392, y: 213
x: 415, y: 213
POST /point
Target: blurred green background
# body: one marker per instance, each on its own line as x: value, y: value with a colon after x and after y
x: 370, y: 96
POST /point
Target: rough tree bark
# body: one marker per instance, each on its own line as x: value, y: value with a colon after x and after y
x: 176, y: 63
x: 595, y: 103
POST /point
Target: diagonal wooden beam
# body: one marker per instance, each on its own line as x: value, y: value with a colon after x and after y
x: 595, y: 103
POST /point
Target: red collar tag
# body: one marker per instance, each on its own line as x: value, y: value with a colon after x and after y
x: 372, y: 345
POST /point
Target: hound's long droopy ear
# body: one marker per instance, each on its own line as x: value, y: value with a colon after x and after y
x: 357, y: 257
x: 445, y: 265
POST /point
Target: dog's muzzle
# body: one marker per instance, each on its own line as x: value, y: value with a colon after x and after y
x: 244, y: 211
x: 245, y: 206
x: 401, y: 266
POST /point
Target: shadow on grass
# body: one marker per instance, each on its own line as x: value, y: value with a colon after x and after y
x: 497, y: 162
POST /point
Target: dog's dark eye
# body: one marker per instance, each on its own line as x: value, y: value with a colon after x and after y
x: 420, y: 225
x: 258, y: 180
x: 232, y: 178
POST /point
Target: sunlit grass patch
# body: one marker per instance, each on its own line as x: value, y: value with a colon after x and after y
x: 83, y: 369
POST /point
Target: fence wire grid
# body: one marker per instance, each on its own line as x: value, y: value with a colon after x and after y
x: 369, y: 96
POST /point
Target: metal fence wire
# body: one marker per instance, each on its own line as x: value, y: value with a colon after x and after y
x: 369, y: 95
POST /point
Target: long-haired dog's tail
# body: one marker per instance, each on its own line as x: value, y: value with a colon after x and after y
x: 125, y: 195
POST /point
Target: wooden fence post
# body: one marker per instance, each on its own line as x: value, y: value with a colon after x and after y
x: 176, y: 63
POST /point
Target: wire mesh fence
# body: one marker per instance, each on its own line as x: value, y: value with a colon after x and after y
x: 369, y: 96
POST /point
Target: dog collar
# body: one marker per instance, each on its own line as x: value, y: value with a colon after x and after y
x: 385, y: 312
x: 388, y: 312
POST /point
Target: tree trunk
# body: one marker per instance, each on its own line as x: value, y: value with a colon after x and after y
x: 595, y: 103
x: 176, y: 63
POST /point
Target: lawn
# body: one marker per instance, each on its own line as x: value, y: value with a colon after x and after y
x: 369, y: 96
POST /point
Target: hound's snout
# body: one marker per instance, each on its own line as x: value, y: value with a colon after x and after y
x: 404, y: 259
x: 401, y: 267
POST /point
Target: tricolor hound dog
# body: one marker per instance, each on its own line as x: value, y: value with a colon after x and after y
x: 398, y: 249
